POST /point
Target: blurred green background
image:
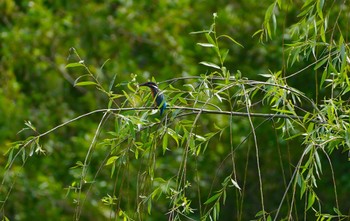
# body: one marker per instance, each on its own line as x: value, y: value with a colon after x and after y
x: 147, y: 39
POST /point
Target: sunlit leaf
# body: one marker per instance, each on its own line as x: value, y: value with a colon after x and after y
x: 209, y: 64
x: 235, y: 184
x: 174, y: 135
x: 319, y: 6
x: 85, y: 83
x: 260, y: 31
x: 76, y: 64
x: 111, y: 160
x: 206, y: 45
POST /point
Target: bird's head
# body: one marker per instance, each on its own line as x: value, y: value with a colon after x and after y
x: 153, y: 86
x: 149, y: 84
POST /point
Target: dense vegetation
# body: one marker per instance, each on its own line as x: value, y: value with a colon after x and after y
x: 257, y: 124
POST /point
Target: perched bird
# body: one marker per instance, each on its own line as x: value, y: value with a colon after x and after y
x: 157, y: 95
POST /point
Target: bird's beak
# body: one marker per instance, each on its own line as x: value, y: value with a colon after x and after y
x: 143, y: 84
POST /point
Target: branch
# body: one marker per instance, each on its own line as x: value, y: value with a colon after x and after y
x: 236, y: 113
x: 193, y: 109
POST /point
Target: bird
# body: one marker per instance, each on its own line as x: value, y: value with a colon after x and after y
x: 157, y: 95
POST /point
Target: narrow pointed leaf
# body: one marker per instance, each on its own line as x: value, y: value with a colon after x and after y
x: 111, y: 160
x: 85, y: 83
x: 165, y: 142
x: 209, y: 64
x: 211, y: 199
x: 112, y: 83
x: 206, y: 45
x: 76, y: 64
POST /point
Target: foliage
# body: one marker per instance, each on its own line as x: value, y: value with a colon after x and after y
x: 267, y: 145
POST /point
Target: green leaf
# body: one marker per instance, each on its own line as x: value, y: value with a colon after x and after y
x: 111, y: 160
x: 85, y: 83
x: 128, y: 98
x: 32, y: 148
x: 323, y: 33
x: 283, y: 111
x: 132, y: 129
x: 231, y: 39
x: 131, y: 88
x: 199, y: 138
x: 174, y: 135
x: 198, y: 32
x: 76, y: 64
x: 310, y: 200
x: 210, y: 39
x: 113, y: 170
x: 332, y: 68
x: 110, y: 102
x: 310, y: 127
x: 302, y: 185
x: 224, y: 55
x: 318, y: 161
x: 214, y: 214
x: 23, y: 155
x: 9, y: 160
x: 268, y: 15
x: 30, y: 125
x: 279, y: 2
x: 165, y: 142
x: 269, y: 218
x: 323, y: 78
x: 260, y: 31
x: 211, y: 199
x: 260, y: 213
x: 343, y: 58
x: 217, y: 210
x: 206, y: 45
x: 192, y: 144
x: 274, y: 22
x: 320, y: 63
x: 115, y: 96
x: 269, y: 12
x: 337, y: 211
x: 79, y: 164
x: 112, y: 83
x: 293, y: 136
x: 175, y: 98
x: 149, y: 206
x: 320, y: 4
x: 209, y: 64
x: 183, y: 100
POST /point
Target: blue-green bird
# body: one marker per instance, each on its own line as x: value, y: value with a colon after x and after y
x: 157, y: 95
